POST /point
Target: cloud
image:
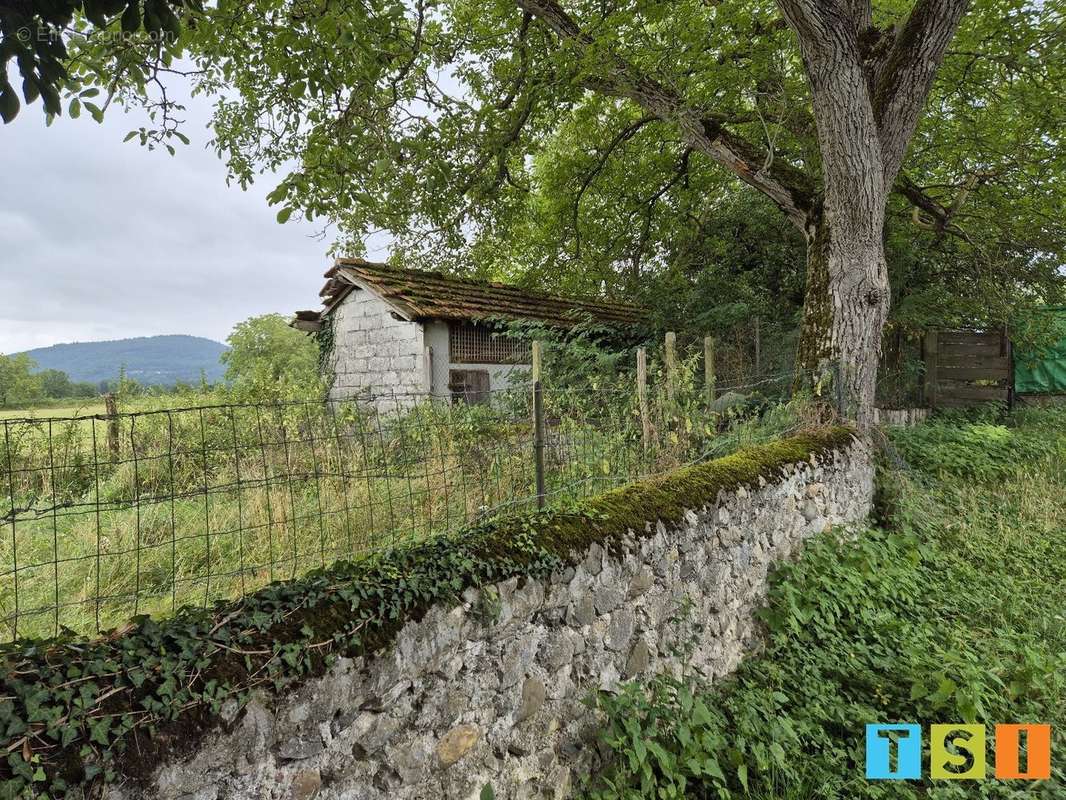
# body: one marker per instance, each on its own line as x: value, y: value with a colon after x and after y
x: 101, y: 239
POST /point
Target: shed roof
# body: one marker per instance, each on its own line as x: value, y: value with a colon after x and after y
x: 422, y: 295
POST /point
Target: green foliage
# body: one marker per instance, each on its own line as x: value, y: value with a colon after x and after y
x: 269, y: 359
x: 981, y: 444
x: 18, y: 384
x: 951, y: 614
x: 77, y: 48
x: 523, y: 172
x: 69, y: 708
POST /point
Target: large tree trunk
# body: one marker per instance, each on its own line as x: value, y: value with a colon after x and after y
x: 845, y: 308
x: 868, y: 87
x: 847, y: 291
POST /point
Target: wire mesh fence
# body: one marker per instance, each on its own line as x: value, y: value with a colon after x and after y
x: 109, y: 516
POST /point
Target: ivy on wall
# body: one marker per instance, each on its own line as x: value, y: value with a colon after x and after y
x: 325, y: 338
x: 75, y: 714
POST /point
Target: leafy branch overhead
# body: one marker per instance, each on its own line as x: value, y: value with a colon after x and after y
x: 35, y: 37
x: 590, y: 147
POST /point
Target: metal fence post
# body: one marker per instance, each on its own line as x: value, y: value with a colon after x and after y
x: 538, y: 441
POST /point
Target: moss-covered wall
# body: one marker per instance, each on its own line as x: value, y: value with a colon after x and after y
x: 79, y: 714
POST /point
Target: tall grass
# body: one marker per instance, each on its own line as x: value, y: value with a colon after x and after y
x: 103, y: 519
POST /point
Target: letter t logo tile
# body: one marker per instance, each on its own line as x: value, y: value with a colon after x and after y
x: 893, y: 752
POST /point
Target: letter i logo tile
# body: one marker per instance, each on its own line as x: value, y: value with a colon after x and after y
x: 1010, y: 752
x: 893, y: 752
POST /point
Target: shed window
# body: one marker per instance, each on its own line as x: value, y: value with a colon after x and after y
x: 470, y: 343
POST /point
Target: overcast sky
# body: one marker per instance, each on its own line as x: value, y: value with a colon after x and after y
x: 101, y: 239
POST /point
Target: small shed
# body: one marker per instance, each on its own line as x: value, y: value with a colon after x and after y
x: 406, y: 332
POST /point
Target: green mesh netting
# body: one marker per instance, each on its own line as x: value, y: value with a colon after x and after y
x: 1043, y: 371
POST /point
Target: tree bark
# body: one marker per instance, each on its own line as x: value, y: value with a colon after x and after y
x: 845, y: 309
x: 847, y: 295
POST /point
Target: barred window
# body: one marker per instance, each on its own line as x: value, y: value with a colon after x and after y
x: 470, y: 343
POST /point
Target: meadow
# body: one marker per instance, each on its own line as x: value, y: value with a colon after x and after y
x: 177, y: 504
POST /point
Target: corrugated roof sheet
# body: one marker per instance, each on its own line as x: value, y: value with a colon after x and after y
x: 431, y: 295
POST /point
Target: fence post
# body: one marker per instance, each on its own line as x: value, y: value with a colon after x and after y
x: 538, y: 360
x: 758, y: 348
x: 538, y: 441
x: 931, y: 356
x: 671, y: 368
x: 708, y: 368
x: 111, y: 409
x: 642, y: 396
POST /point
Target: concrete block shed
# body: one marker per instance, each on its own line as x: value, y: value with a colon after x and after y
x: 408, y: 332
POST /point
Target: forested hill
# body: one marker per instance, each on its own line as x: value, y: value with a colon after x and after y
x: 149, y: 360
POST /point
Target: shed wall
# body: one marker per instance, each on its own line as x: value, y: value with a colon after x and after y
x: 374, y: 351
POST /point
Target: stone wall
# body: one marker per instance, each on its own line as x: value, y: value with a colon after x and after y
x: 489, y: 691
x: 374, y: 351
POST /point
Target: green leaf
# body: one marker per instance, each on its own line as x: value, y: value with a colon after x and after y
x: 29, y: 89
x: 131, y: 17
x: 284, y: 214
x: 95, y: 110
x: 9, y: 103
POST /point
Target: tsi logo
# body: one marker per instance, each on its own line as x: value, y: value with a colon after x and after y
x: 957, y: 752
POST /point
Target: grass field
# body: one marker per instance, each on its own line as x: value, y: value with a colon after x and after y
x: 953, y: 611
x: 67, y: 408
x: 191, y: 506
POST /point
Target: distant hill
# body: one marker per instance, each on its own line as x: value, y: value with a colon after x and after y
x: 150, y: 360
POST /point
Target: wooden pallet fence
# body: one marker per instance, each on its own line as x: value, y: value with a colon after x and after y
x: 967, y: 368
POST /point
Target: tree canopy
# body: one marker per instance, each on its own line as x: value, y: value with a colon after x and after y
x: 605, y: 147
x: 267, y: 357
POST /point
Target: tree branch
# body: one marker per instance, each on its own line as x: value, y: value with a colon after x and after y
x: 789, y: 187
x: 623, y: 135
x: 907, y: 75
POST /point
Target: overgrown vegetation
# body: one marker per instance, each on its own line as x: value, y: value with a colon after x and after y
x: 952, y: 611
x: 71, y: 711
x: 208, y: 495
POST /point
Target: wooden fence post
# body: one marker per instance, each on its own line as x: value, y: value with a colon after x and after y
x: 538, y: 360
x: 642, y: 396
x: 111, y: 408
x: 671, y: 368
x: 931, y: 356
x: 538, y: 442
x: 708, y: 368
